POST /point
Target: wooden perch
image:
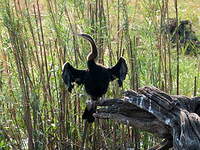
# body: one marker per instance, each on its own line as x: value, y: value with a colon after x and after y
x: 174, y: 118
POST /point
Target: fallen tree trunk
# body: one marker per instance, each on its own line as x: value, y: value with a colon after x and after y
x: 174, y: 118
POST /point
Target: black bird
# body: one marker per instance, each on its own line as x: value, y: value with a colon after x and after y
x: 96, y: 78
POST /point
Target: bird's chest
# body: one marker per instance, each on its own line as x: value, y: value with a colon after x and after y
x: 96, y: 82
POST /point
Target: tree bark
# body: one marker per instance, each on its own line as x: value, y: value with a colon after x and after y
x: 173, y: 118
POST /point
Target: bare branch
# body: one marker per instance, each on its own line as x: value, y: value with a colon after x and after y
x: 174, y: 118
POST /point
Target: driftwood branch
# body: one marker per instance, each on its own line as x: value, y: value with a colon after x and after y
x: 174, y: 118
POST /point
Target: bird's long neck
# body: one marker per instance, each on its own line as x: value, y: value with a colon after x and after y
x: 94, y: 53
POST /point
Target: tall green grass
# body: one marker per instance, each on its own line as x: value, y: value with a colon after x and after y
x: 36, y: 39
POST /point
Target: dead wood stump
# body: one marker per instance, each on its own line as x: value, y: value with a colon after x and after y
x: 174, y: 118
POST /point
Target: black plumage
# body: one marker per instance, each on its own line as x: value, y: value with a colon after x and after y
x: 96, y: 78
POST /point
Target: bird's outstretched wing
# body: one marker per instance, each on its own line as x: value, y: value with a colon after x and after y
x: 119, y: 71
x: 71, y: 75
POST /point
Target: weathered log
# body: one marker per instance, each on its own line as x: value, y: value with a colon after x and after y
x: 174, y: 118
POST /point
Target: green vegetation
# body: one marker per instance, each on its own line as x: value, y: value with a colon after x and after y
x: 36, y: 39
